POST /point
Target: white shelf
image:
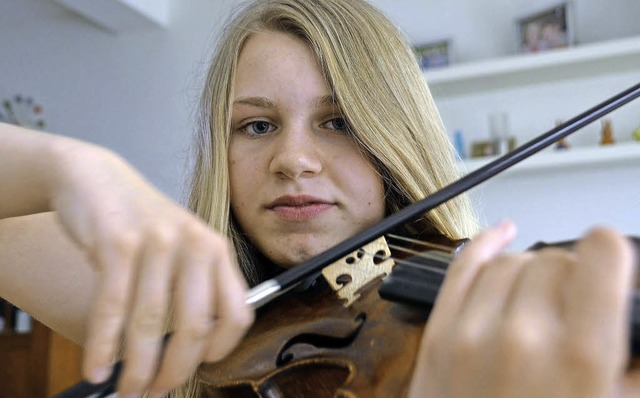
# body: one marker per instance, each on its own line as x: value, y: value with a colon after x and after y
x: 549, y: 159
x: 516, y: 70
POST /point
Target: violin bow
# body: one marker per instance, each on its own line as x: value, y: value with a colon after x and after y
x: 266, y: 291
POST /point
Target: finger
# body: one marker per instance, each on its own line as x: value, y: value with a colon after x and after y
x: 489, y: 293
x: 464, y: 269
x: 115, y: 259
x: 488, y: 296
x: 599, y: 290
x: 233, y: 316
x: 537, y: 296
x: 148, y: 319
x: 481, y: 315
x: 533, y: 323
x: 435, y: 347
x: 193, y: 315
x: 598, y: 300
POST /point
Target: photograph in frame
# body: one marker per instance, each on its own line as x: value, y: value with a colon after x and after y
x: 434, y: 54
x: 546, y: 29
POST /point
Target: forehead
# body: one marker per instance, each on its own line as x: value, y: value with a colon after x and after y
x: 275, y: 60
x: 268, y: 43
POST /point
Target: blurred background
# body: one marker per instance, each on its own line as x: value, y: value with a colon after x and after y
x: 126, y: 74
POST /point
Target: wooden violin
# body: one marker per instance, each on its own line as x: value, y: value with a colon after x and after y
x: 310, y: 343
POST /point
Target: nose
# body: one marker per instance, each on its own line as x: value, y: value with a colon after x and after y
x: 296, y: 154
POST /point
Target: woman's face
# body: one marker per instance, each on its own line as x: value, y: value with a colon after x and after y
x: 299, y: 184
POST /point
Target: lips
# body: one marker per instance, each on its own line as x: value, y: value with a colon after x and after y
x: 299, y: 208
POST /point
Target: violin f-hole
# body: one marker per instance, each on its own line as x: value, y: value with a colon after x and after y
x: 321, y: 340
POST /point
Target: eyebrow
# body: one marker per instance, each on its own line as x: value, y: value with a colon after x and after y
x: 258, y: 102
x: 262, y: 102
x: 327, y: 100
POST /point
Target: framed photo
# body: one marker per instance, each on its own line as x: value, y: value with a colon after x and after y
x: 546, y: 29
x: 433, y: 55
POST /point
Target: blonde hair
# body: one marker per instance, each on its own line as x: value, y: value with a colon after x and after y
x: 379, y: 87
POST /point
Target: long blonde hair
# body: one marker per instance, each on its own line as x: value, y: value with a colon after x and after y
x: 379, y: 87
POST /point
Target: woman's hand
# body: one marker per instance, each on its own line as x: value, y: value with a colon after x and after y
x: 155, y: 260
x: 551, y: 323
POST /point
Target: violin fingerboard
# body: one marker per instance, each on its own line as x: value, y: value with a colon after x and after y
x: 414, y: 282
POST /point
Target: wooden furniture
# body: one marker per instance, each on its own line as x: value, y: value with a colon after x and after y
x: 38, y: 364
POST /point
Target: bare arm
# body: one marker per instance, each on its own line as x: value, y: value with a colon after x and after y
x: 111, y: 260
x: 57, y: 291
x: 42, y: 271
x: 26, y: 170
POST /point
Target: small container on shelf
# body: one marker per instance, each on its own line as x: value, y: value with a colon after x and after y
x: 606, y: 133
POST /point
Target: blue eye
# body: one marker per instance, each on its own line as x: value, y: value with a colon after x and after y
x: 338, y: 123
x: 259, y: 127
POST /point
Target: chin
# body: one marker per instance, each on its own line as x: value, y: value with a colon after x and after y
x: 290, y: 260
x: 297, y: 254
x: 296, y: 248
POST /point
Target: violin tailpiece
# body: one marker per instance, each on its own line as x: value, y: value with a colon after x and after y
x: 349, y: 274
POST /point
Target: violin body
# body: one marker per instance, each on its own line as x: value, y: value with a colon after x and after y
x: 310, y: 345
x: 334, y: 338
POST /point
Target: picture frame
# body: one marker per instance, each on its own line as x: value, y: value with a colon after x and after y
x: 435, y: 54
x: 546, y: 29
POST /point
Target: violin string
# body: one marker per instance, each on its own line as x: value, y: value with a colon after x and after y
x: 397, y: 260
x: 442, y: 248
x: 437, y: 256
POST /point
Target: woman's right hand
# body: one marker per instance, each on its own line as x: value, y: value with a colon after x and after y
x: 156, y: 261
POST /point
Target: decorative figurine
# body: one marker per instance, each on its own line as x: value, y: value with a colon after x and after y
x: 606, y: 133
x: 562, y: 143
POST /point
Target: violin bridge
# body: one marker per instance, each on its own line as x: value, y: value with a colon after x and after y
x: 349, y: 274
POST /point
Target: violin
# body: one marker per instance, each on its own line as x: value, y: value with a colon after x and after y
x: 308, y: 342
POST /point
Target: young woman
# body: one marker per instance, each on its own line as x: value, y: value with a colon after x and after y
x: 315, y: 124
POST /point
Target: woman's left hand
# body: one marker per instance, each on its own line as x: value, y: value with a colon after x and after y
x: 551, y: 323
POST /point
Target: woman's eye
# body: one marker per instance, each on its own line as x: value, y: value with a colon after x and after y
x: 259, y: 127
x: 338, y: 123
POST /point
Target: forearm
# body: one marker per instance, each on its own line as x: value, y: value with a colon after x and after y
x: 45, y: 274
x: 41, y: 270
x: 29, y: 164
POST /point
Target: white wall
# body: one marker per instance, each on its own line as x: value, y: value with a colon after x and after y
x: 134, y: 93
x: 487, y: 28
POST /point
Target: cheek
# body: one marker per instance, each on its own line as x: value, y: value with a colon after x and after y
x: 366, y: 188
x: 375, y: 201
x: 238, y: 182
x: 246, y: 172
